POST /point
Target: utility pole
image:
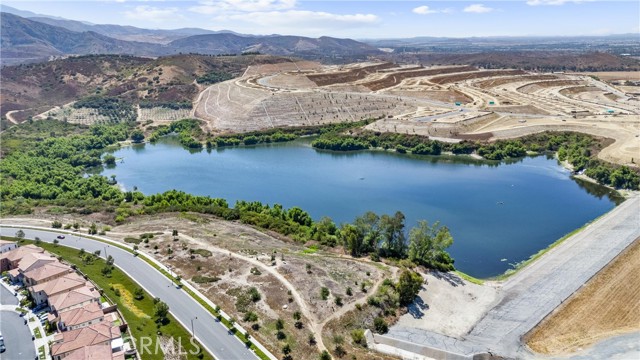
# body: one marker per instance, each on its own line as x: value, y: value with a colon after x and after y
x: 193, y: 333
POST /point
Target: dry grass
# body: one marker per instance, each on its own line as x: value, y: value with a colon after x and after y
x: 608, y: 305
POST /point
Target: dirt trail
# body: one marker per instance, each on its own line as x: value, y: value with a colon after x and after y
x: 348, y: 307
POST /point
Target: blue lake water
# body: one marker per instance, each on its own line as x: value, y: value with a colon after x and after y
x: 498, y: 214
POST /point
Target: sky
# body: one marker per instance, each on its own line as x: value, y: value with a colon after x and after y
x: 358, y: 19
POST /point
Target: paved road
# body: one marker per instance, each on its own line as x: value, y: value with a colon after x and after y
x: 7, y: 297
x: 17, y: 337
x: 538, y: 289
x: 214, y: 336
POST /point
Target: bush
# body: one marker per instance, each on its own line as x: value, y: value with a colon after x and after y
x: 254, y: 294
x: 201, y: 279
x: 357, y: 336
x: 324, y: 293
x: 380, y: 325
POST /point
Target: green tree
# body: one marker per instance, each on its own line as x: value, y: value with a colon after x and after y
x: 20, y: 234
x: 138, y: 294
x: 369, y: 226
x: 160, y: 311
x: 409, y: 285
x: 109, y: 160
x: 137, y: 135
x: 352, y: 239
x: 427, y: 245
x: 393, y: 240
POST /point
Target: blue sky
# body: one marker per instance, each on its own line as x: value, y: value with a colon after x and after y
x: 359, y: 19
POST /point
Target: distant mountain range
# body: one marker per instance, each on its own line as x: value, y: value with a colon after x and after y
x: 39, y: 38
x: 30, y: 37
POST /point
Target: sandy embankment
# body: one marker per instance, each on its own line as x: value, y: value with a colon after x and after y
x: 449, y: 305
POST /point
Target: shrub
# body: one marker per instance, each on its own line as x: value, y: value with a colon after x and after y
x: 324, y: 293
x: 380, y: 325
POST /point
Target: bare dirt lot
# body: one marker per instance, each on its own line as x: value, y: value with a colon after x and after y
x: 608, y: 305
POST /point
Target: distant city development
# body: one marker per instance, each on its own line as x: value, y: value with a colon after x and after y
x: 199, y: 194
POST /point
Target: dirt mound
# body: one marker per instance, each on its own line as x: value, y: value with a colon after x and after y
x: 530, y: 88
x: 395, y: 78
x: 474, y: 75
x: 485, y: 84
x: 347, y: 76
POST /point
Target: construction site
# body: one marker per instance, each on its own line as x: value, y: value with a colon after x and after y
x: 447, y: 103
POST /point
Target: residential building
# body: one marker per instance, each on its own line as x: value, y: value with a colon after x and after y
x: 103, y: 333
x: 73, y: 298
x: 6, y: 245
x: 10, y: 259
x: 95, y: 352
x: 30, y: 262
x: 47, y: 272
x: 80, y: 317
x: 42, y: 292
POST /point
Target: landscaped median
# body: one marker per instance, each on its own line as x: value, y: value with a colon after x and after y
x: 238, y: 331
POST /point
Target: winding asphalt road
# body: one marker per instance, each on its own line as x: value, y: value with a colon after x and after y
x: 215, y: 337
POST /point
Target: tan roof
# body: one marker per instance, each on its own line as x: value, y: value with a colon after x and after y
x: 93, y: 352
x: 14, y: 272
x: 86, y: 336
x: 20, y: 252
x: 6, y: 242
x: 34, y: 260
x: 46, y: 271
x: 73, y: 297
x: 56, y: 286
x: 81, y: 315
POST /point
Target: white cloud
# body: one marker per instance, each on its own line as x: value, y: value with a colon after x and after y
x: 478, y: 9
x: 151, y: 13
x: 302, y: 22
x: 230, y: 6
x: 424, y: 10
x: 554, y: 2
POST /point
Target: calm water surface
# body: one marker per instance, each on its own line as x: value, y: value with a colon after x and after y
x: 498, y: 215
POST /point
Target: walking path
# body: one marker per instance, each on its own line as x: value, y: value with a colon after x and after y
x: 532, y: 293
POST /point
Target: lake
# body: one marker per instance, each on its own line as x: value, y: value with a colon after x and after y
x: 498, y: 214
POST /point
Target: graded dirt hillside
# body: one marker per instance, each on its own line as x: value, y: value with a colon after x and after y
x: 608, y: 305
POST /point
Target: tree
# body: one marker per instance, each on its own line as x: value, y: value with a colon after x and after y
x: 279, y: 324
x: 369, y: 226
x: 138, y: 294
x: 325, y: 355
x: 93, y: 229
x: 55, y: 242
x: 408, y: 286
x: 393, y: 240
x: 109, y: 160
x: 427, y: 246
x: 352, y: 239
x: 110, y: 260
x: 160, y: 311
x: 297, y: 316
x: 137, y: 135
x: 20, y: 234
x: 286, y: 349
